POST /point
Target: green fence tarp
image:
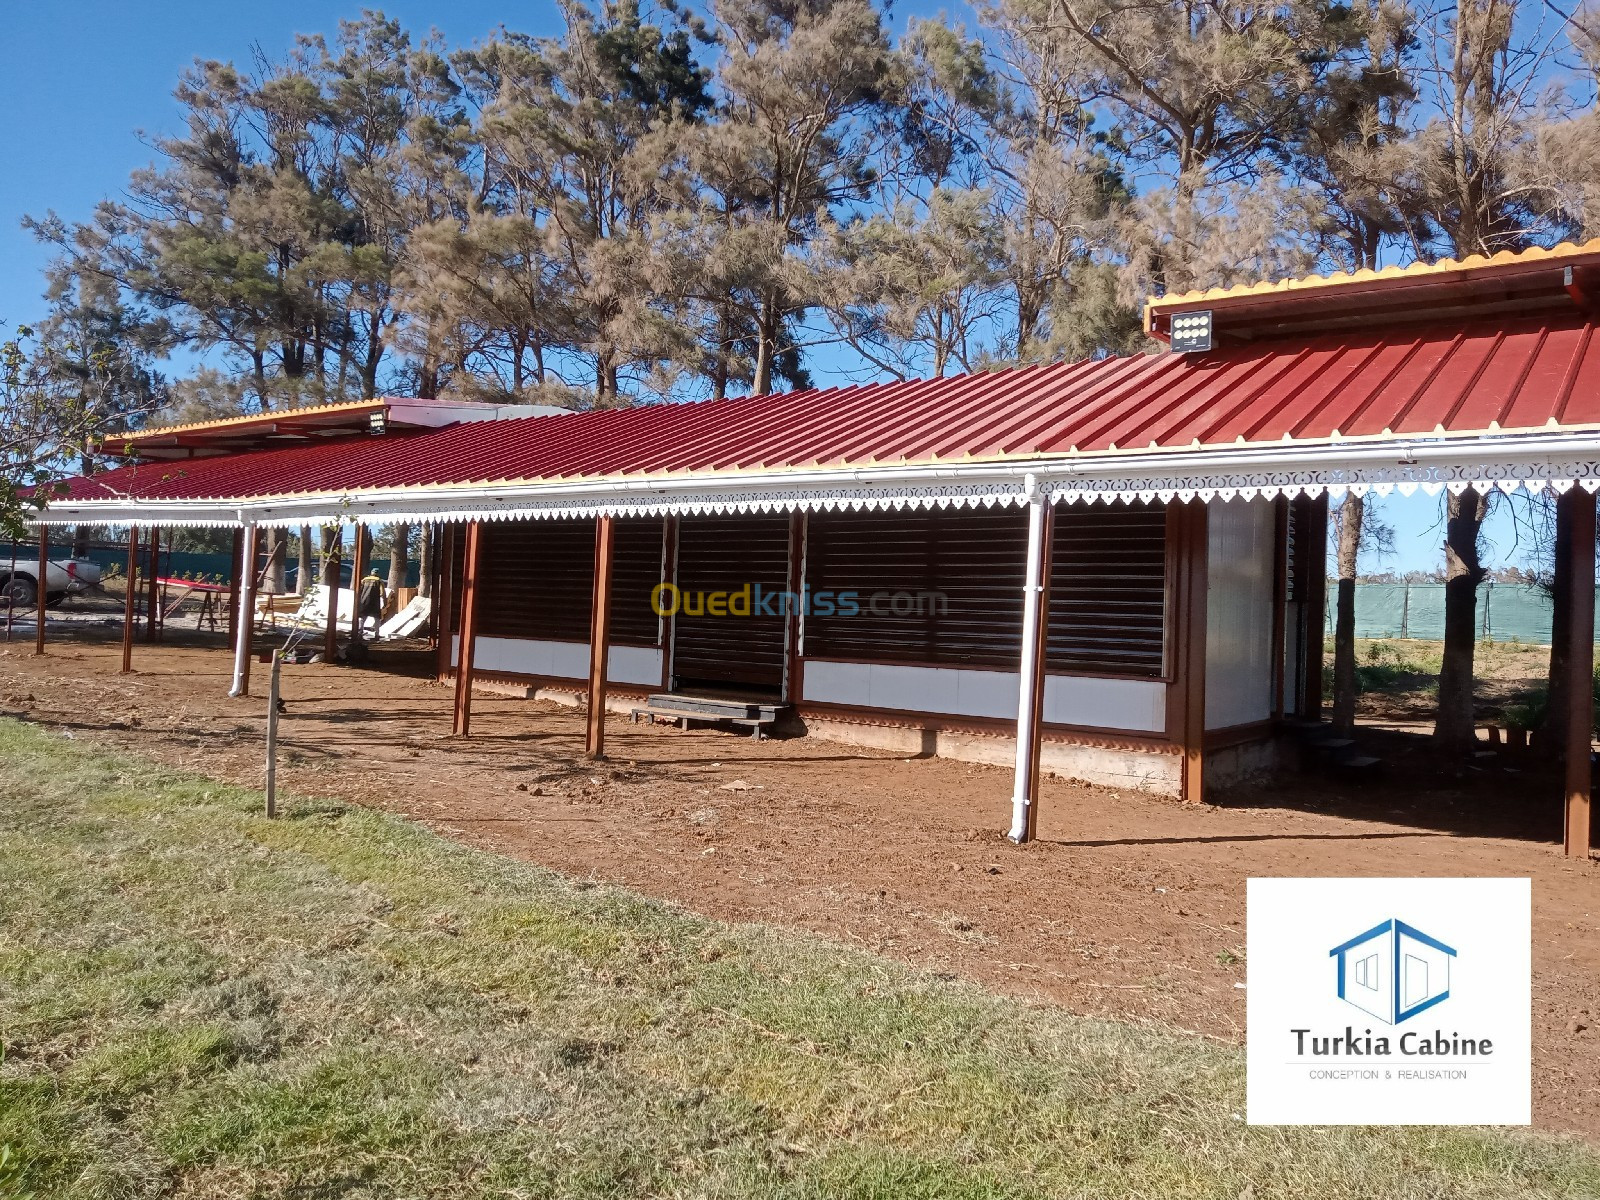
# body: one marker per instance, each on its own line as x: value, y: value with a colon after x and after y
x: 183, y: 564
x: 1507, y: 612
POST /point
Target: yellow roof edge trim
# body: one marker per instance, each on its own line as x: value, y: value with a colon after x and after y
x: 1445, y: 266
x: 309, y: 410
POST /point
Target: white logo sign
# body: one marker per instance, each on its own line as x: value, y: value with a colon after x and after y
x: 1389, y: 1002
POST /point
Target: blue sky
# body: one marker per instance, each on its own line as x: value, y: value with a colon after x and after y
x: 80, y: 81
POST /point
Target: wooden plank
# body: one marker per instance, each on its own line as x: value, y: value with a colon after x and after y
x: 444, y: 597
x: 791, y: 633
x: 129, y: 620
x: 605, y: 544
x: 669, y: 574
x: 468, y: 627
x: 1577, y: 508
x: 42, y: 591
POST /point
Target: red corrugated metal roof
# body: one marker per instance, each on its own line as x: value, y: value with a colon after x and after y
x: 1504, y: 376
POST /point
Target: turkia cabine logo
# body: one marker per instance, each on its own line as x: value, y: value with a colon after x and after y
x: 1345, y: 1036
x: 1393, y: 971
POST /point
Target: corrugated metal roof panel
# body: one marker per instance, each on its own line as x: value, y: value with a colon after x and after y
x: 1520, y: 374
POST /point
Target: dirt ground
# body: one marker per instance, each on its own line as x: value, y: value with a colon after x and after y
x: 1128, y: 906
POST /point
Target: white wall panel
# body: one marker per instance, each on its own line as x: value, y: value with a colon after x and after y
x: 638, y: 665
x: 1134, y: 705
x: 838, y: 683
x: 1239, y: 613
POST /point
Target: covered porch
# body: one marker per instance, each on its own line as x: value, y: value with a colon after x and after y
x: 1124, y: 557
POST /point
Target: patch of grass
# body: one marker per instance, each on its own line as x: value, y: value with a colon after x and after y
x: 1390, y: 669
x: 195, y: 1001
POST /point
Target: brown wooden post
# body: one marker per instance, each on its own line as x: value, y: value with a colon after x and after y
x: 358, y: 568
x: 600, y: 635
x: 1188, y: 526
x: 468, y: 626
x: 792, y: 627
x: 330, y: 584
x: 1316, y: 604
x: 1580, y: 670
x: 444, y: 598
x: 128, y: 618
x: 43, y: 590
x: 669, y: 574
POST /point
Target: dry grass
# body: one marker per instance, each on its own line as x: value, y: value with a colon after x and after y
x: 197, y: 1002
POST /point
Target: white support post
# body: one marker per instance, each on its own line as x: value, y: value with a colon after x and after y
x: 1027, y: 734
x: 245, y: 625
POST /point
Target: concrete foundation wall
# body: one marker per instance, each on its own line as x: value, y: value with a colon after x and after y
x: 1245, y: 762
x: 1141, y: 770
x: 623, y: 704
x: 1152, y: 771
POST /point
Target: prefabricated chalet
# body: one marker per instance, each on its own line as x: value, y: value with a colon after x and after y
x: 1110, y: 569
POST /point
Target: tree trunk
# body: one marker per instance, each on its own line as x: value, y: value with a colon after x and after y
x: 276, y: 582
x: 1453, y: 730
x: 425, y: 560
x: 332, y: 546
x: 305, y: 568
x: 1351, y: 514
x: 766, y: 348
x: 399, y: 558
x: 1553, y: 732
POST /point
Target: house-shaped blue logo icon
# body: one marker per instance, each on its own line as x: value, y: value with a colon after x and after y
x: 1393, y: 971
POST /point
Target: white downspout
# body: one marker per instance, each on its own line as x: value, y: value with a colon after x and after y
x: 1033, y: 585
x: 244, y: 626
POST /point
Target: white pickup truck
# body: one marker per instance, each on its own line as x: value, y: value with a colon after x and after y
x: 63, y: 577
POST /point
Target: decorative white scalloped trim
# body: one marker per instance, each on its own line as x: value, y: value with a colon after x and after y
x: 1525, y: 464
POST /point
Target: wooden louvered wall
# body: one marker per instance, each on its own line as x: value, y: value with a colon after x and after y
x: 537, y: 577
x: 723, y: 554
x: 974, y: 556
x: 1107, y: 593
